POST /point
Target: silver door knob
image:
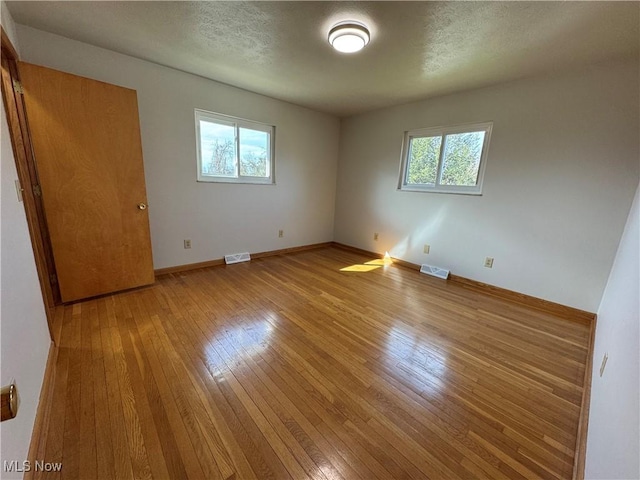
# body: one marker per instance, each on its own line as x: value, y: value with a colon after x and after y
x: 142, y: 206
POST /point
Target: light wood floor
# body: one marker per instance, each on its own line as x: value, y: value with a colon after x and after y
x: 288, y: 367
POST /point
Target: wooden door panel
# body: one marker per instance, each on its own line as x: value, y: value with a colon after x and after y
x: 86, y: 139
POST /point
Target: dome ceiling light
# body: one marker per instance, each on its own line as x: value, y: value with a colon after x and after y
x: 349, y: 37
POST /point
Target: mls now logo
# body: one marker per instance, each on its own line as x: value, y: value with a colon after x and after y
x: 27, y: 466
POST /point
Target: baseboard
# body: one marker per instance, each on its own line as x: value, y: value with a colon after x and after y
x: 357, y: 250
x: 533, y: 302
x: 583, y: 423
x: 188, y: 266
x: 43, y: 412
x: 286, y: 251
x: 516, y: 297
x: 220, y: 261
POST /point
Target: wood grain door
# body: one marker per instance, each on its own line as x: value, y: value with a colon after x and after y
x: 86, y: 141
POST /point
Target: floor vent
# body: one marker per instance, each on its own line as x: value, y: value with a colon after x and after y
x: 237, y: 258
x: 435, y: 271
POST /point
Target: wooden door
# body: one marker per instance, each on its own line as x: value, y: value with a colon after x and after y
x: 88, y: 153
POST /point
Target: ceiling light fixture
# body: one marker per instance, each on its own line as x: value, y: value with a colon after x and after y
x: 349, y: 37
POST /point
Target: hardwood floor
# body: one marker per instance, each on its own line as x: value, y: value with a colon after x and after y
x: 289, y: 367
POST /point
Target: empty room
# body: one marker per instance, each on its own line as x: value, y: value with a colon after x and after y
x: 329, y: 240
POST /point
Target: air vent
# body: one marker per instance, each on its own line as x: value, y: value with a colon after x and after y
x: 237, y: 258
x: 434, y: 271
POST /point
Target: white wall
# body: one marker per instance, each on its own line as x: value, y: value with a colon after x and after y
x: 218, y: 218
x: 560, y: 177
x: 613, y: 444
x: 9, y: 25
x: 24, y: 336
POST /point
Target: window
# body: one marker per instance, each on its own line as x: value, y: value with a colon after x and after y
x: 233, y: 150
x: 445, y: 160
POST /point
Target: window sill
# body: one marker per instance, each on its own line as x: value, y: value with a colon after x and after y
x: 233, y: 181
x: 434, y: 190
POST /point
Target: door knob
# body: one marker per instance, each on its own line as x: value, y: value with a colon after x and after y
x: 142, y: 206
x: 9, y: 396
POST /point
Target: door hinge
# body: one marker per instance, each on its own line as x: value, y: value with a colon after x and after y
x: 17, y: 87
x: 37, y: 191
x: 53, y: 279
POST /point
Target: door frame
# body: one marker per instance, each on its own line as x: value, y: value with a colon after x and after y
x: 28, y: 178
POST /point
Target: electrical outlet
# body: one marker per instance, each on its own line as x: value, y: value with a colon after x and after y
x: 280, y: 233
x: 426, y: 248
x: 187, y: 243
x: 604, y: 363
x: 488, y: 262
x: 375, y: 236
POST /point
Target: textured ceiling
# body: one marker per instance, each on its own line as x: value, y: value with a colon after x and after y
x: 417, y: 50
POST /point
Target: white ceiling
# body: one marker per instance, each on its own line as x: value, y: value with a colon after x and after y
x: 417, y: 50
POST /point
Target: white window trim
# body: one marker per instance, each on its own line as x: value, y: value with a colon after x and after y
x: 237, y: 123
x: 443, y: 131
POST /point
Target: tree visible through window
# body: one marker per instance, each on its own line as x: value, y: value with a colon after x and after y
x: 449, y: 160
x: 233, y: 150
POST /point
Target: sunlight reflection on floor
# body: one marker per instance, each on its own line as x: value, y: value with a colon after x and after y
x: 359, y: 268
x: 370, y: 265
x: 424, y: 366
x: 238, y: 341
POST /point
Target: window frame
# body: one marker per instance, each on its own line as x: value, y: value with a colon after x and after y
x: 237, y: 123
x: 443, y: 132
